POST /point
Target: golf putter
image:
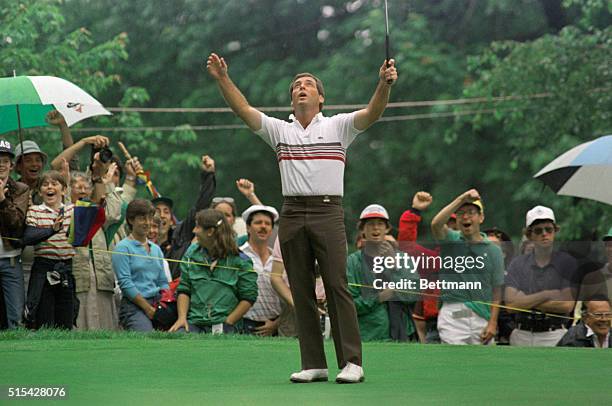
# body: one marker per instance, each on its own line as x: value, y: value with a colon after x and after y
x: 387, y: 56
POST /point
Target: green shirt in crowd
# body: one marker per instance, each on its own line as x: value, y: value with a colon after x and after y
x: 372, y: 315
x: 465, y: 261
x: 215, y: 294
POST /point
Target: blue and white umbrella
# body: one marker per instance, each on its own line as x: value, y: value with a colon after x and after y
x: 583, y: 171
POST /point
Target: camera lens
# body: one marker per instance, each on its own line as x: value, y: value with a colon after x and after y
x: 105, y: 155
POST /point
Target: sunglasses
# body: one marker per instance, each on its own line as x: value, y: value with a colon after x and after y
x: 542, y: 230
x: 218, y: 200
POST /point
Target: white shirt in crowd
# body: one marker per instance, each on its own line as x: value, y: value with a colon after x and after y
x: 267, y: 306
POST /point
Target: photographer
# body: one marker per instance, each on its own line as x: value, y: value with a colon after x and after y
x: 97, y: 142
x: 117, y: 198
x: 92, y: 267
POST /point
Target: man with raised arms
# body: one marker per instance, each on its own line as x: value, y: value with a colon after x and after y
x: 311, y: 154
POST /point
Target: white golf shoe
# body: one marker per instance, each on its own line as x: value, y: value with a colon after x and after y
x: 309, y: 375
x: 351, y: 373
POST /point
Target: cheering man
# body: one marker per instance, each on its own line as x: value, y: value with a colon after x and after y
x: 311, y: 153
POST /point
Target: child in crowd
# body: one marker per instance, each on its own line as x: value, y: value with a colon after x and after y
x: 51, y: 299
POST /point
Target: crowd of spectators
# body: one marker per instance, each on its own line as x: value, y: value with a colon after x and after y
x: 221, y: 272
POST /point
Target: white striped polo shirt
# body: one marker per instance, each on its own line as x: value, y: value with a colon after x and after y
x: 57, y: 246
x: 312, y: 159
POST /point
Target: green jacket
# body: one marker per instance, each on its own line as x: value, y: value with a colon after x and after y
x: 371, y: 314
x: 214, y: 295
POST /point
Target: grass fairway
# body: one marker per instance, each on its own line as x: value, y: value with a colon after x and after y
x: 129, y: 369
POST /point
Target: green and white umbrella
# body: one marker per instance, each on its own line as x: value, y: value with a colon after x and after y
x: 26, y: 100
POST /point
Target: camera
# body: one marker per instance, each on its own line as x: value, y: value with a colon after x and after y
x: 106, y: 154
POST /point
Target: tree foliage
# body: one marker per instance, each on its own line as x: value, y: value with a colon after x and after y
x: 572, y: 73
x: 445, y: 49
x: 34, y: 41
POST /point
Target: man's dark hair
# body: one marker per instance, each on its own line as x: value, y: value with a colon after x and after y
x: 317, y: 81
x: 267, y: 213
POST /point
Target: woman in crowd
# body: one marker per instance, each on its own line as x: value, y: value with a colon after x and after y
x: 138, y: 266
x: 218, y: 284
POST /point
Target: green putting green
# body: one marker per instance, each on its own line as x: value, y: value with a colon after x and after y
x: 130, y: 369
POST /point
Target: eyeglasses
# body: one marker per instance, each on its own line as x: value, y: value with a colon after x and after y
x: 469, y: 212
x: 218, y: 200
x: 601, y: 315
x: 542, y: 230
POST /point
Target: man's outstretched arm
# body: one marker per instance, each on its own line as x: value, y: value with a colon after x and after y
x: 217, y: 68
x: 375, y: 108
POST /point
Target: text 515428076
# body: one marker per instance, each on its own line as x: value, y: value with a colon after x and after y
x: 33, y: 392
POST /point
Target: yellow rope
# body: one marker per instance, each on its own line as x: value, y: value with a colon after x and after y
x: 206, y: 264
x: 350, y: 284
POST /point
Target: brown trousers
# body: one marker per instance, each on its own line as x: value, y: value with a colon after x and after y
x: 313, y: 228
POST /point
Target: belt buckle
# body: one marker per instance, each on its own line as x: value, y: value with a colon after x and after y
x: 326, y: 199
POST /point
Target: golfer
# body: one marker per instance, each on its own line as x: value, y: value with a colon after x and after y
x: 311, y: 154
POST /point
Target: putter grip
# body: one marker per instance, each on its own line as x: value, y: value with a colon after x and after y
x: 387, y: 57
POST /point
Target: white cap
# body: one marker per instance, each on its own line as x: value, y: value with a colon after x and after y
x: 259, y: 207
x: 374, y: 211
x: 539, y: 213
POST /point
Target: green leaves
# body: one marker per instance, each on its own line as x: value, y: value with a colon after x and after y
x: 558, y: 57
x: 572, y: 72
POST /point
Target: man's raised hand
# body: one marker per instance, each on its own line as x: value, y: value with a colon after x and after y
x: 133, y: 167
x: 208, y: 164
x: 246, y: 187
x: 421, y: 200
x: 55, y: 118
x: 97, y: 141
x: 216, y: 66
x: 388, y: 74
x: 471, y: 196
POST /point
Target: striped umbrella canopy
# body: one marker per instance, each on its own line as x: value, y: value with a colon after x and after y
x: 583, y: 171
x: 26, y: 100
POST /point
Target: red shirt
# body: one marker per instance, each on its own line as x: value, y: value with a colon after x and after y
x: 427, y: 307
